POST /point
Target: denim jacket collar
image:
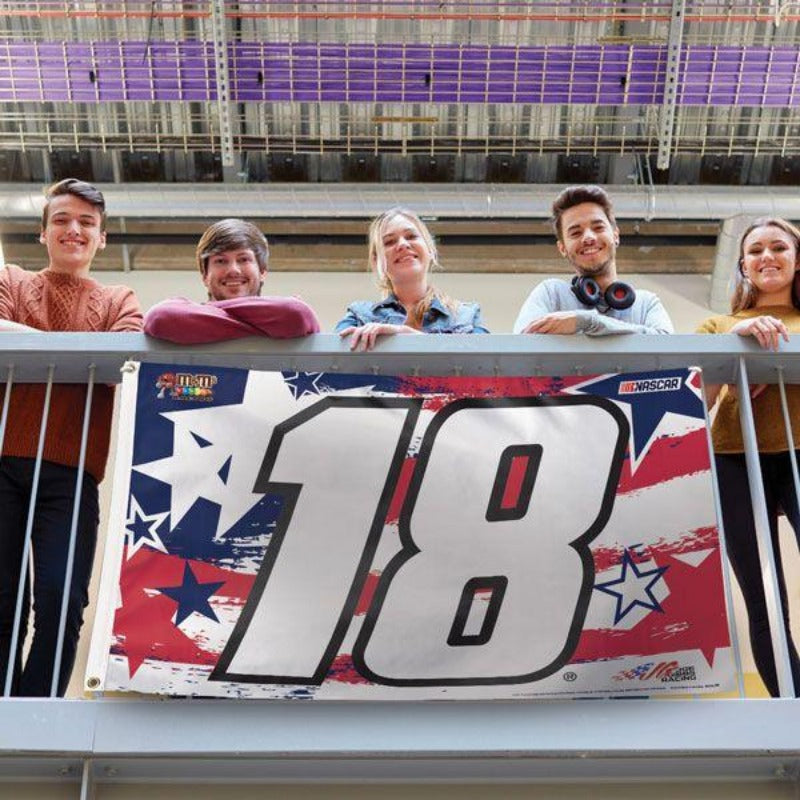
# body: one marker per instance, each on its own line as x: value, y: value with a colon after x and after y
x: 392, y: 302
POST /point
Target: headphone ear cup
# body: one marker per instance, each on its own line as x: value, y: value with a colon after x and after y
x: 586, y: 290
x: 620, y: 295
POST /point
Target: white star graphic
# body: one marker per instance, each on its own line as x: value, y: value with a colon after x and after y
x: 239, y: 432
x: 152, y: 538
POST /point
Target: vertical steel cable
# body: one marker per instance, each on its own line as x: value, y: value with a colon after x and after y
x: 23, y: 570
x: 726, y: 572
x: 73, y: 531
x: 6, y: 402
x: 789, y: 435
x: 87, y: 780
x: 769, y: 575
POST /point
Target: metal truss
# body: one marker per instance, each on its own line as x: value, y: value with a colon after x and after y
x: 403, y: 129
x: 643, y: 78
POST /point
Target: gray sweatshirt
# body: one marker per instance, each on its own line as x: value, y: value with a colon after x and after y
x: 646, y: 315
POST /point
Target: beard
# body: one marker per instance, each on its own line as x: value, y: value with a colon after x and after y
x: 594, y: 270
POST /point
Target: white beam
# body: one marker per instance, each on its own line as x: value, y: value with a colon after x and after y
x: 239, y: 741
x: 359, y: 201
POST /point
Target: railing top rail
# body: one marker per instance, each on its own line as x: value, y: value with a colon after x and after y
x: 498, y: 354
x: 468, y: 742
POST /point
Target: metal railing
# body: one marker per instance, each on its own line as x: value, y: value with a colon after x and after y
x: 109, y: 739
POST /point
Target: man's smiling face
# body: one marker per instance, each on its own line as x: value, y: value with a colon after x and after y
x: 588, y: 240
x: 233, y: 273
x: 73, y: 234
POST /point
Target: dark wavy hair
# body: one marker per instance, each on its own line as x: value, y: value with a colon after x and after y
x: 86, y: 192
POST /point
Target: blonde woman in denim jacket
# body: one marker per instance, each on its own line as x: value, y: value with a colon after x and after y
x: 402, y: 253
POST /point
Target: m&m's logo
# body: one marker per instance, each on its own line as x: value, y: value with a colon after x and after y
x: 186, y: 386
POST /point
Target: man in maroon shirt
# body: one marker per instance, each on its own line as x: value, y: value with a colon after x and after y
x: 232, y: 258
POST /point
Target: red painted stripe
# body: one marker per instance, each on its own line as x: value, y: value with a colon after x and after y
x: 516, y: 474
x: 669, y: 457
x: 400, y: 491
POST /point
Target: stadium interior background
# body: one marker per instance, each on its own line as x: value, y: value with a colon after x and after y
x: 309, y: 118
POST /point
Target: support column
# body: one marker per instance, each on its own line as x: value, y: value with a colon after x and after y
x: 725, y: 260
x: 123, y: 228
x: 667, y: 118
x: 223, y: 83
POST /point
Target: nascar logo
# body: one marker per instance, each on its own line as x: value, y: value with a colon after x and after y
x: 650, y: 385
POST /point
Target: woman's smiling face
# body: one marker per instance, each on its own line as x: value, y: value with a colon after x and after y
x: 405, y: 251
x: 769, y: 261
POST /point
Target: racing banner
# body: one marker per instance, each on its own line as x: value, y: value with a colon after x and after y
x: 329, y: 536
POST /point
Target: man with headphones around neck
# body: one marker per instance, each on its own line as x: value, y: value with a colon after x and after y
x: 594, y: 302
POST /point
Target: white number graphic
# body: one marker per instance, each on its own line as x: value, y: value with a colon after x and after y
x: 521, y: 555
x: 493, y: 580
x: 307, y: 588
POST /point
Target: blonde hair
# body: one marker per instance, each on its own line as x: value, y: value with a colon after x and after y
x: 377, y: 262
x: 744, y: 293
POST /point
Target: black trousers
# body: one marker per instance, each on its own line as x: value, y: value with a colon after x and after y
x: 740, y: 540
x: 49, y: 541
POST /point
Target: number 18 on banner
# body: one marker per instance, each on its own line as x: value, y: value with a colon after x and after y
x: 487, y: 521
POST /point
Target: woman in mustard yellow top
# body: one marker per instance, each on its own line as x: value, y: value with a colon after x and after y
x: 764, y: 305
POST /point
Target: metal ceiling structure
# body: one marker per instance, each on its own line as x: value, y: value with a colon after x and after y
x: 163, y: 90
x: 338, y: 202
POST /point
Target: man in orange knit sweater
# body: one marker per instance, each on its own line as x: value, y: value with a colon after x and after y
x: 62, y: 297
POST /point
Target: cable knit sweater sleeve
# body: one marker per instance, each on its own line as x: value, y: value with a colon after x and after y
x: 51, y: 301
x: 10, y: 278
x: 124, y: 315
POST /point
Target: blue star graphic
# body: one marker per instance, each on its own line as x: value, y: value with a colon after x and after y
x: 634, y: 591
x: 312, y: 383
x: 303, y: 383
x: 140, y: 529
x: 647, y: 407
x: 191, y: 596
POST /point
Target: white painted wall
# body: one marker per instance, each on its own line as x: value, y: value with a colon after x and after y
x: 548, y: 791
x: 500, y: 294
